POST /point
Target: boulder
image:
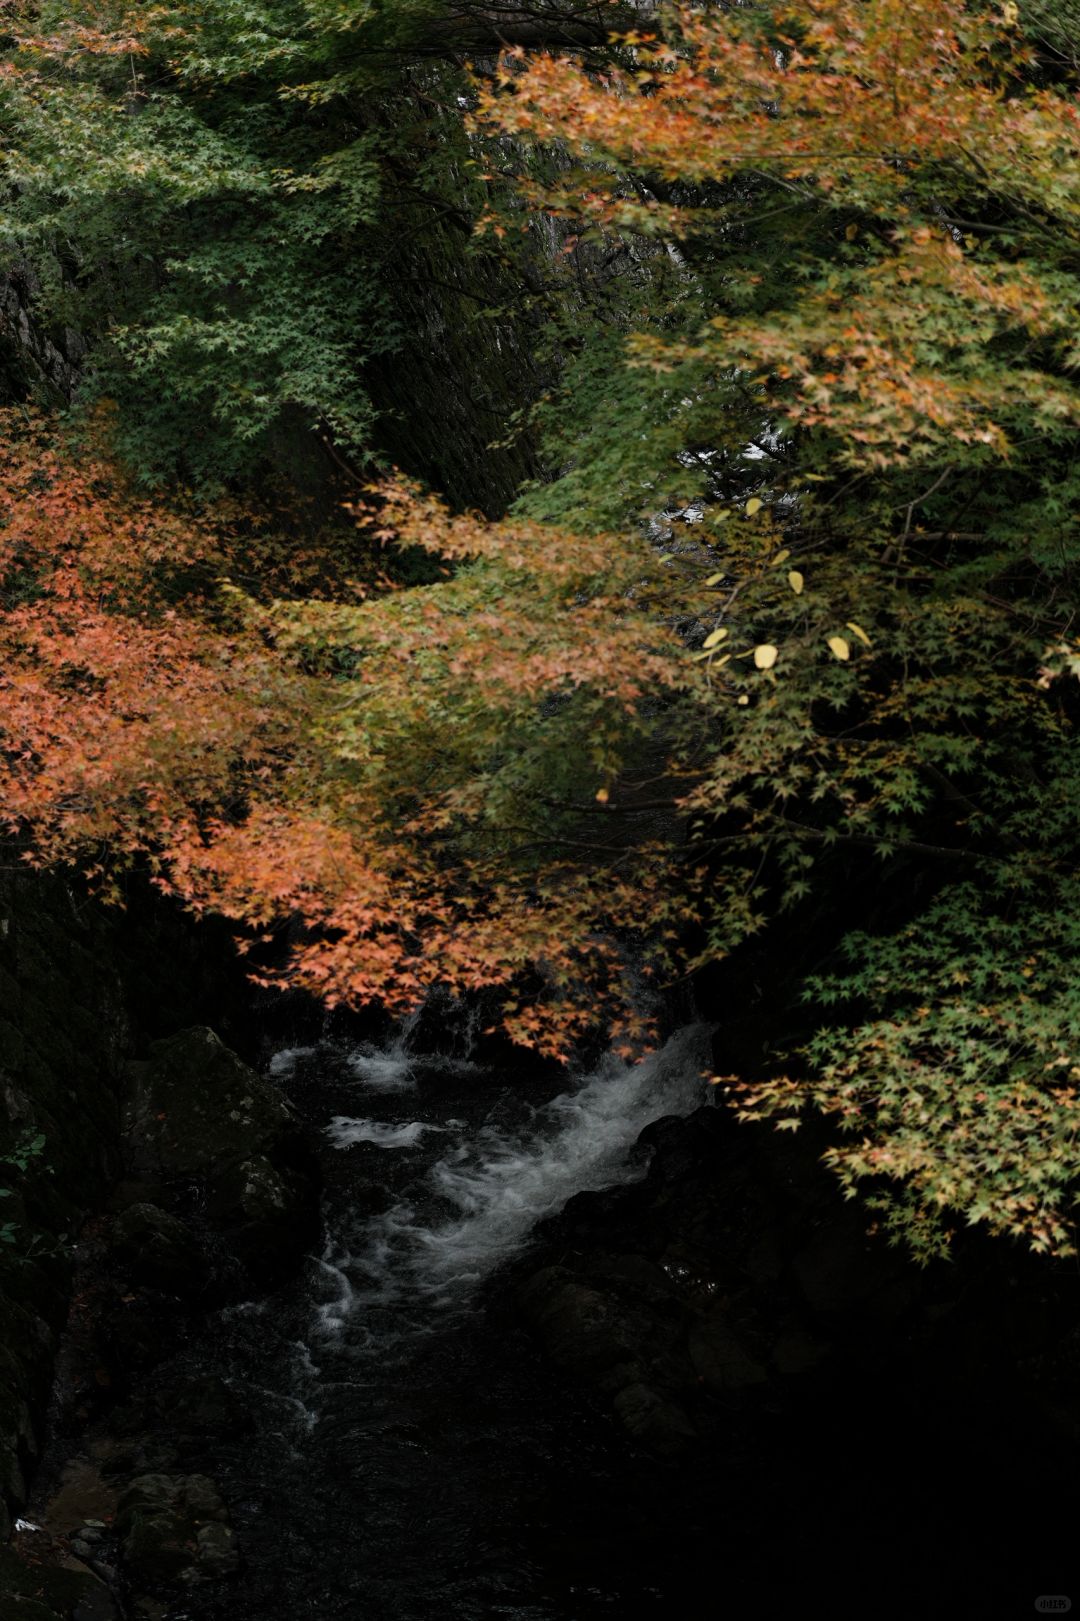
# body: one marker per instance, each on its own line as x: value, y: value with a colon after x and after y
x: 255, y: 1206
x: 157, y: 1251
x: 214, y: 1138
x: 49, y: 1585
x: 720, y: 1358
x: 655, y: 1420
x: 583, y: 1330
x: 197, y: 1109
x: 175, y: 1530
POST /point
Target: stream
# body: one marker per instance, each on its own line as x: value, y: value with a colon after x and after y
x: 407, y: 1454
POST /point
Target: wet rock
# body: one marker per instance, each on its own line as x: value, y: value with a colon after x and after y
x: 197, y: 1108
x: 201, y: 1405
x: 636, y: 1277
x: 145, y: 1455
x: 155, y: 1249
x: 655, y: 1420
x: 215, y: 1558
x: 175, y: 1530
x: 583, y: 1330
x: 204, y: 1124
x: 45, y: 1581
x: 681, y: 1145
x: 720, y: 1357
x: 256, y: 1207
x: 96, y: 1604
x: 135, y: 1334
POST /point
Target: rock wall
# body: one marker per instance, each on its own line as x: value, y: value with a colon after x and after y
x: 145, y: 1176
x: 63, y: 1032
x: 34, y: 363
x: 804, y: 1387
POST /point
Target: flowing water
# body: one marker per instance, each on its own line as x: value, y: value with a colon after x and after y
x: 408, y: 1455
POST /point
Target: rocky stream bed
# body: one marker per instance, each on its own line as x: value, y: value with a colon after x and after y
x: 384, y: 1331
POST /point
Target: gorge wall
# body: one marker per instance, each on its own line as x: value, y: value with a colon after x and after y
x: 147, y: 1174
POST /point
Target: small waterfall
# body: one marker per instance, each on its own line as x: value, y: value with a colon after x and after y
x: 405, y: 1457
x: 389, y: 1068
x: 477, y: 1188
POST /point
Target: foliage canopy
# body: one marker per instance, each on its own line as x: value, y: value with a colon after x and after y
x: 790, y: 603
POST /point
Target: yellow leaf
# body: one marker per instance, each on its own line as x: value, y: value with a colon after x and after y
x: 715, y: 636
x: 753, y: 505
x: 765, y: 656
x: 602, y: 796
x: 852, y: 232
x: 744, y: 699
x: 839, y: 648
x: 781, y: 557
x: 714, y: 579
x: 859, y: 632
x: 796, y: 581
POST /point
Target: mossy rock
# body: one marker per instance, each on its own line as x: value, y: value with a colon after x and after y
x: 198, y: 1108
x: 26, y: 1609
x: 154, y: 1249
x: 60, y: 1591
x: 202, y: 1118
x: 260, y: 1211
x: 175, y: 1530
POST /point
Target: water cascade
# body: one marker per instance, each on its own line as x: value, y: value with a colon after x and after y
x: 403, y: 1448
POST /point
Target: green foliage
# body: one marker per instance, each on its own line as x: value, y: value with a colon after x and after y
x: 217, y: 210
x: 808, y: 308
x: 28, y: 1149
x: 887, y: 366
x: 959, y: 1082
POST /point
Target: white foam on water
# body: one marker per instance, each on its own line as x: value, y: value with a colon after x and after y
x: 344, y: 1132
x: 389, y: 1071
x: 284, y: 1062
x: 332, y: 1313
x: 485, y: 1196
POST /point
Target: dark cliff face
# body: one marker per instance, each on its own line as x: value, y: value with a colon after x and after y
x: 805, y: 1389
x: 83, y: 990
x: 35, y: 363
x: 149, y: 1175
x: 63, y: 1031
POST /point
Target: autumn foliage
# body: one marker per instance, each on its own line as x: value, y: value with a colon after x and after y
x: 337, y: 762
x: 789, y: 617
x: 883, y: 115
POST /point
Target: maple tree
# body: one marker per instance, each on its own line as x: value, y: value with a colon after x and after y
x: 357, y: 760
x: 878, y: 205
x: 803, y: 555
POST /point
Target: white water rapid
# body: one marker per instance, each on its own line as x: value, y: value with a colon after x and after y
x: 407, y: 1456
x: 476, y: 1169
